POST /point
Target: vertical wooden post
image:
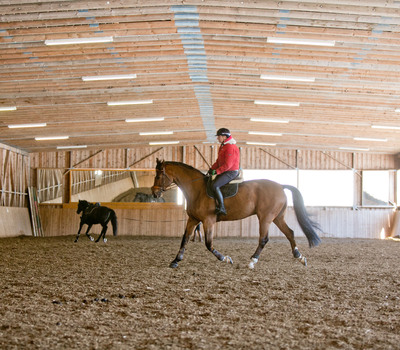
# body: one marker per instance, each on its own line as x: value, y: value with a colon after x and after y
x: 126, y: 165
x: 392, y: 186
x: 66, y: 181
x: 183, y: 154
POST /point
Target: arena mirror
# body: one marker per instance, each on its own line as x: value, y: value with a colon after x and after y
x: 104, y: 185
x: 101, y: 185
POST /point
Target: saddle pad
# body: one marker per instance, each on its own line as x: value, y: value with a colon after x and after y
x: 228, y: 190
x: 238, y: 179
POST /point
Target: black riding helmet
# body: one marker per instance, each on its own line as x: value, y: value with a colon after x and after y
x: 223, y: 132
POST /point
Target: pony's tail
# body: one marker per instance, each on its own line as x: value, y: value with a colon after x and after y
x: 307, y: 225
x: 114, y: 222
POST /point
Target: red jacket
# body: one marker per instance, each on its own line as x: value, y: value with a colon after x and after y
x: 228, y: 157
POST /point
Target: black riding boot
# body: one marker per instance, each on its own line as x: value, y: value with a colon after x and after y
x: 220, y: 199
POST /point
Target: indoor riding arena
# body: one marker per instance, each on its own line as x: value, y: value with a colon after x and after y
x: 109, y: 114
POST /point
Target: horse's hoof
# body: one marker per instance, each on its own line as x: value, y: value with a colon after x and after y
x: 228, y: 260
x: 173, y: 265
x: 91, y: 238
x: 105, y: 240
x: 75, y: 241
x: 303, y: 260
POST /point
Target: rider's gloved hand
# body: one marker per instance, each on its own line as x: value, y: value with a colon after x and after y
x: 212, y: 172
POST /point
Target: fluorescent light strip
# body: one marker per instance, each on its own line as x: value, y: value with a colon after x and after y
x: 51, y: 138
x: 269, y: 120
x: 264, y: 133
x: 94, y: 40
x: 286, y: 78
x: 140, y: 120
x: 123, y: 103
x: 261, y: 143
x: 37, y: 125
x: 67, y: 147
x: 109, y: 77
x: 385, y: 127
x: 156, y: 133
x: 10, y: 108
x: 354, y: 149
x: 294, y: 41
x: 163, y: 143
x: 369, y: 139
x: 277, y: 103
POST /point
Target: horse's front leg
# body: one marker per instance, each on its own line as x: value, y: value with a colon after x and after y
x: 79, y: 232
x: 87, y: 232
x: 190, y: 225
x: 102, y: 233
x: 208, y: 232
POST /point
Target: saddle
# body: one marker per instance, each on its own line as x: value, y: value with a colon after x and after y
x: 228, y: 190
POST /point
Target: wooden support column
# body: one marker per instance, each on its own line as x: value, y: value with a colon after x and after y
x: 66, y: 180
x: 126, y: 150
x: 183, y: 154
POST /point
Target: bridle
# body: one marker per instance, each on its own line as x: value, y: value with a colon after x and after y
x: 164, y: 188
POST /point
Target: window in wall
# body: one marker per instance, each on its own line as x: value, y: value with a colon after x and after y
x: 375, y: 188
x: 327, y: 187
x: 284, y: 177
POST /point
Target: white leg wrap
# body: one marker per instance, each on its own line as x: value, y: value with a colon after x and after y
x: 252, y: 262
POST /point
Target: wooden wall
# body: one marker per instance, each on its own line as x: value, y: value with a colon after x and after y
x: 18, y: 171
x: 251, y: 158
x: 158, y: 221
x: 14, y: 177
x: 15, y: 222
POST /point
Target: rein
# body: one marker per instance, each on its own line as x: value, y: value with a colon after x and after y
x: 172, y: 185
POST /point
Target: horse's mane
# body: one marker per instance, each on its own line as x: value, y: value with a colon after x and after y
x: 184, y: 166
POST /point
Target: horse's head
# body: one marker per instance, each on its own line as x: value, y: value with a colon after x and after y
x: 162, y: 181
x: 82, y: 205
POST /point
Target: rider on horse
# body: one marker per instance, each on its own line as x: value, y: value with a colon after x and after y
x: 226, y: 167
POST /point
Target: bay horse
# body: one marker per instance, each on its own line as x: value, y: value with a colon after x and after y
x: 263, y: 198
x: 96, y: 214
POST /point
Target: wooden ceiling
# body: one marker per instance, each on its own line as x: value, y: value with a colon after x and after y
x: 200, y: 63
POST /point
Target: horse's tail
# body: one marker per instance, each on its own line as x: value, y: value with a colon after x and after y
x: 307, y: 225
x: 114, y: 222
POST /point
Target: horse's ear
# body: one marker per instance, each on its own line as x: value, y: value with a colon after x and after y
x: 159, y: 163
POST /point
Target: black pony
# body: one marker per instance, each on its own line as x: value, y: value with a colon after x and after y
x: 96, y: 214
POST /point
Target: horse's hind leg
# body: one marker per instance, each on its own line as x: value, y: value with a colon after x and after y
x: 103, y: 234
x: 208, y: 232
x: 197, y: 232
x: 190, y: 225
x: 288, y: 232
